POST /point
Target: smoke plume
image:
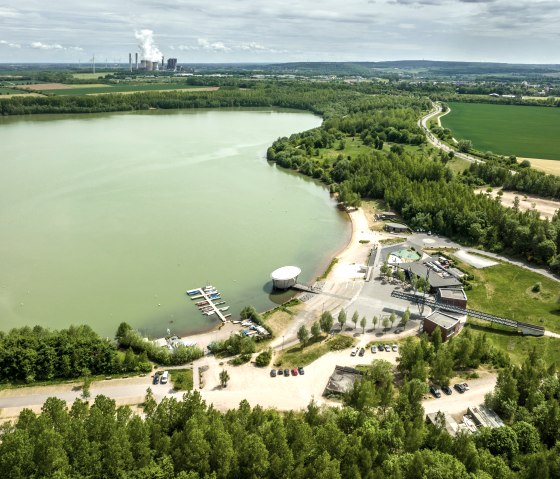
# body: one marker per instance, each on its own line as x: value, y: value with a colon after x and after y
x: 146, y: 44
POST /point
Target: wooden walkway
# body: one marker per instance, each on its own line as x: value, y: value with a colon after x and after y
x: 206, y: 296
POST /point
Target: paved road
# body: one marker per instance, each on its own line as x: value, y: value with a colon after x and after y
x: 423, y: 123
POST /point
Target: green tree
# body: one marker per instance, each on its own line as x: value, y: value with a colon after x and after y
x: 375, y: 320
x: 315, y: 330
x: 464, y: 146
x: 406, y: 317
x: 363, y: 323
x: 442, y: 367
x: 303, y: 335
x: 224, y: 378
x: 392, y: 319
x: 437, y: 338
x: 386, y: 322
x: 341, y: 318
x: 355, y: 318
x: 326, y: 322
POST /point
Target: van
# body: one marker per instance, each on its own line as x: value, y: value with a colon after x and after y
x: 164, y: 377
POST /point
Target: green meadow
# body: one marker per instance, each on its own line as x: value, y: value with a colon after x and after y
x: 525, y: 131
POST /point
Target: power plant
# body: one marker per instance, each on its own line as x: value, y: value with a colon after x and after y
x: 149, y: 65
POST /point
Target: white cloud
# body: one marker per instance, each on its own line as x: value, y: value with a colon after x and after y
x: 46, y: 46
x: 215, y: 46
x: 9, y: 44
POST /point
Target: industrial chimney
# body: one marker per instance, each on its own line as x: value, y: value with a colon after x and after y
x: 130, y: 61
x: 137, y: 60
x: 162, y: 62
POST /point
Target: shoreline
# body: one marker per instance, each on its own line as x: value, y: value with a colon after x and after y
x: 358, y: 220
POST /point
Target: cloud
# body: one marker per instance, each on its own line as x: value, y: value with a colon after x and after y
x: 46, y: 46
x: 9, y: 44
x: 204, y: 44
x: 215, y: 46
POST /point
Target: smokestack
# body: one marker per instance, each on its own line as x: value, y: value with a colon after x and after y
x: 137, y: 61
x: 162, y: 60
x: 130, y: 61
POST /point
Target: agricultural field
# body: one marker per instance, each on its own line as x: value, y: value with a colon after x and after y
x: 9, y: 91
x: 96, y: 89
x: 508, y: 290
x: 90, y: 76
x: 526, y: 131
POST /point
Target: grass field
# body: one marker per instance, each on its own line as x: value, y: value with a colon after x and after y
x: 90, y: 76
x: 9, y: 91
x: 95, y: 89
x: 518, y: 347
x: 182, y: 379
x: 298, y: 356
x: 506, y: 290
x: 527, y: 131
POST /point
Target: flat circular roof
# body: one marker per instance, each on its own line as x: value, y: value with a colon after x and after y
x: 286, y: 272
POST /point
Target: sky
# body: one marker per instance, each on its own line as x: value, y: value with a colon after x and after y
x: 196, y: 31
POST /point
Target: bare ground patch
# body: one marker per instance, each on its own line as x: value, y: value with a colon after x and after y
x: 544, y: 206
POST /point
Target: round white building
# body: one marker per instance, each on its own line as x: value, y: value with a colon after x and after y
x: 285, y: 277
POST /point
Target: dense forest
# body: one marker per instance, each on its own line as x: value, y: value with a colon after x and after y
x: 378, y: 431
x: 39, y: 354
x: 418, y: 185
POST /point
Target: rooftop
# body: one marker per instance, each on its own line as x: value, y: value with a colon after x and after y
x: 436, y: 279
x: 443, y: 320
x: 452, y: 293
x: 285, y: 273
x: 396, y: 225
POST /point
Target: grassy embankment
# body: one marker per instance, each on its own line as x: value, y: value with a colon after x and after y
x: 526, y: 131
x: 182, y: 379
x: 302, y: 356
x: 507, y: 290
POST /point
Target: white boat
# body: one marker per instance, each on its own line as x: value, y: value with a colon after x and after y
x: 210, y: 313
x: 224, y: 309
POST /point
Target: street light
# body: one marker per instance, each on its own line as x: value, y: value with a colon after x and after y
x: 282, y: 343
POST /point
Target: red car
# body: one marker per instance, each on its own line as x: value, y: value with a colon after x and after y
x: 294, y: 372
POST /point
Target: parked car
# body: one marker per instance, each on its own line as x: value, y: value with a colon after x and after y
x: 354, y: 352
x: 387, y: 348
x: 374, y: 349
x: 362, y: 352
x: 459, y: 388
x: 301, y: 371
x: 156, y: 379
x: 447, y: 390
x: 294, y: 372
x: 164, y: 377
x: 273, y: 373
x: 280, y: 372
x: 435, y: 391
x: 286, y: 372
x: 395, y: 348
x: 381, y: 348
x: 466, y: 386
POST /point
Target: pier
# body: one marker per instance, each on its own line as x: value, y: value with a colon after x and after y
x: 206, y: 305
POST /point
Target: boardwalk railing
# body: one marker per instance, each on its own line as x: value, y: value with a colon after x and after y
x: 525, y: 328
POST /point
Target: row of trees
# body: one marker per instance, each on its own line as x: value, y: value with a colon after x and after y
x: 39, y: 354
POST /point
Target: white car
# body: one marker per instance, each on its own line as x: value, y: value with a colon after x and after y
x: 354, y: 352
x: 374, y: 349
x: 395, y: 348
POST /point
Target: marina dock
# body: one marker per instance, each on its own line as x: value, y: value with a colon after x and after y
x: 206, y: 305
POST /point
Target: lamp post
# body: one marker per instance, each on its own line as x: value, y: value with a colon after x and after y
x: 282, y: 343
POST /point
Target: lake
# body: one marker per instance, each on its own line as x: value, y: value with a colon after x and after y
x: 112, y: 217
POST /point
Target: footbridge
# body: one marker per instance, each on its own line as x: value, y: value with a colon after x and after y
x: 524, y: 328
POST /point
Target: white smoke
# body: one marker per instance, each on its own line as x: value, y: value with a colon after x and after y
x: 146, y: 44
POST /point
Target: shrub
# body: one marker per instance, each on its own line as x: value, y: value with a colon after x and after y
x: 340, y: 342
x: 241, y: 359
x: 264, y: 358
x: 536, y: 287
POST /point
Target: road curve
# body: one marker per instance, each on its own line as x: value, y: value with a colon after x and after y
x: 423, y: 123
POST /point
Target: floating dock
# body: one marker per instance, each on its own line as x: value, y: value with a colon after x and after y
x: 206, y: 305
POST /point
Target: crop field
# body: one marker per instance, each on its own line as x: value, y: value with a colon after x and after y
x: 9, y: 91
x: 97, y: 89
x: 90, y: 76
x: 525, y: 131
